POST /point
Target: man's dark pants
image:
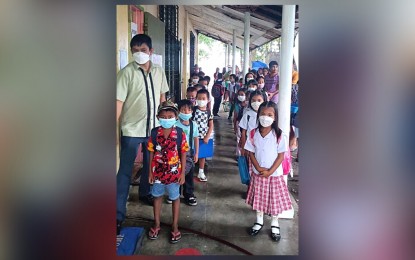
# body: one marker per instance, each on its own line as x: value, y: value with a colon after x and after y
x: 129, y: 147
x: 216, y: 106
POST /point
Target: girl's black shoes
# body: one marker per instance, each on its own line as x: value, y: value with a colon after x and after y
x: 275, y: 236
x: 254, y: 232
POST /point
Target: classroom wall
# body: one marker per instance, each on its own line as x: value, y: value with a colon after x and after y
x: 122, y: 31
x: 152, y: 9
x: 185, y: 26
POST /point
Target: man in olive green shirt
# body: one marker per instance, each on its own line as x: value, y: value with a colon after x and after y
x: 141, y: 87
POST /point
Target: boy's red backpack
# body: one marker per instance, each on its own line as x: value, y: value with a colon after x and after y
x: 286, y: 162
x: 217, y: 90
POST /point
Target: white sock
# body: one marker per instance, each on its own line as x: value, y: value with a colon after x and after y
x: 201, y: 171
x: 274, y: 222
x: 259, y: 220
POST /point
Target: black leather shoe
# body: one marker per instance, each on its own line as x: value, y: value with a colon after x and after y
x: 119, y: 223
x: 275, y: 236
x: 149, y: 199
x: 254, y: 232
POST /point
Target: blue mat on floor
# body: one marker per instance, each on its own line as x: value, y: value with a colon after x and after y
x: 130, y: 240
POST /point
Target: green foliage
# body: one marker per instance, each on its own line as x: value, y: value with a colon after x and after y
x: 203, y: 54
x: 205, y: 46
x: 206, y: 40
x: 261, y: 53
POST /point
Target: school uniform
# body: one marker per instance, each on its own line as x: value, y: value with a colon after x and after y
x: 189, y: 186
x: 269, y: 195
x: 238, y: 108
x: 249, y: 123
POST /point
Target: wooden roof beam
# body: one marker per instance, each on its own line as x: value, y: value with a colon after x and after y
x: 268, y: 24
x: 212, y: 15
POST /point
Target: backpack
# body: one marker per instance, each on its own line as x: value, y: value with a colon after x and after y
x: 243, y: 170
x: 240, y: 114
x: 189, y: 157
x: 178, y: 141
x: 286, y: 162
x: 217, y: 90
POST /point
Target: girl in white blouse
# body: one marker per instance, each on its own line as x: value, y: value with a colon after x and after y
x: 268, y: 192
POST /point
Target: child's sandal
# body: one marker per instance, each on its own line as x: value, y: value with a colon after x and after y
x: 153, y: 233
x: 175, y: 237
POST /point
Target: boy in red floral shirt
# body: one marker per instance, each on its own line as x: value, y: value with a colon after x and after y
x: 167, y: 167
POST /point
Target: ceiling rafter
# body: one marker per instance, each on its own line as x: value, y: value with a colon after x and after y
x: 211, y: 15
x: 219, y: 22
x: 254, y: 20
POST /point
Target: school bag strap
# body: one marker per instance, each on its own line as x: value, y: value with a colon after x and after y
x: 194, y: 111
x: 286, y: 162
x: 153, y: 134
x: 191, y: 136
x: 251, y: 136
x: 179, y: 140
x: 240, y: 113
x: 179, y: 132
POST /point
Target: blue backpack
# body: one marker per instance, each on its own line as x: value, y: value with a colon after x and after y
x: 243, y: 170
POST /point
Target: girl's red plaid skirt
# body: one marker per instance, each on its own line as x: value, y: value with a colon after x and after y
x: 269, y: 195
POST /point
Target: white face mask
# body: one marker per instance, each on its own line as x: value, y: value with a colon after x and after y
x: 266, y: 121
x: 260, y: 86
x: 195, y: 81
x: 241, y: 98
x: 141, y: 57
x: 201, y: 103
x: 248, y: 79
x: 251, y: 89
x: 255, y: 105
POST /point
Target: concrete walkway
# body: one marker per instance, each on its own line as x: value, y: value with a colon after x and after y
x: 221, y: 211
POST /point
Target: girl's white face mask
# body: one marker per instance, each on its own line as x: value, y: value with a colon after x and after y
x: 266, y: 121
x: 255, y: 105
x: 141, y: 57
x: 241, y: 98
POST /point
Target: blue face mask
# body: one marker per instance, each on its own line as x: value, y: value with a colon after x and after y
x: 184, y: 116
x: 167, y: 123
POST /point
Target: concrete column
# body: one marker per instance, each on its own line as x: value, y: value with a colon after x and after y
x: 186, y: 67
x: 246, y: 42
x: 234, y: 52
x: 285, y: 68
x: 226, y: 54
x: 296, y: 52
x: 229, y: 55
x: 285, y: 72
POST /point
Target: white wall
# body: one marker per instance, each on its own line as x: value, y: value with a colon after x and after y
x: 152, y: 9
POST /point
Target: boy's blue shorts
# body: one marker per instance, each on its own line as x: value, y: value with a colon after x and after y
x: 159, y: 189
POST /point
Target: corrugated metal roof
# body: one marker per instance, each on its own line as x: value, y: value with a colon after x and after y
x: 219, y: 21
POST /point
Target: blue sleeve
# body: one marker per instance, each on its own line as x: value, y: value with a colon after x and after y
x: 195, y: 130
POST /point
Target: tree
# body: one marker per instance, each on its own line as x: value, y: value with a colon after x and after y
x: 205, y: 46
x: 206, y: 40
